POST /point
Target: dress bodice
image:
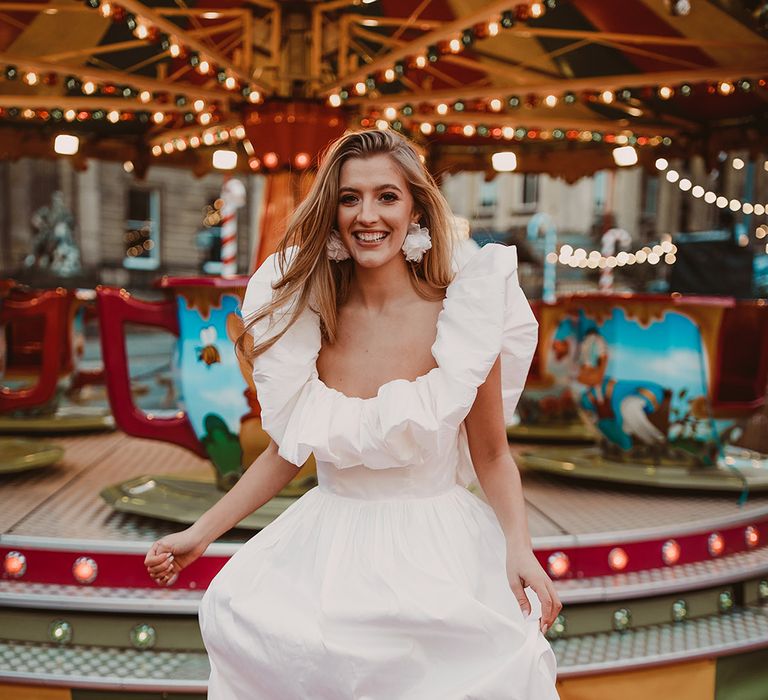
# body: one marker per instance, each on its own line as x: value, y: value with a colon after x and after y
x: 409, y: 439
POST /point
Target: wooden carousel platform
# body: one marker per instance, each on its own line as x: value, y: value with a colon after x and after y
x: 118, y: 631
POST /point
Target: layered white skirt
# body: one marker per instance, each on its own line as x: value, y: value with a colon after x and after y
x: 343, y: 598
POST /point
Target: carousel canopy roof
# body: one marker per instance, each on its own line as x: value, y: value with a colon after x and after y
x: 169, y: 80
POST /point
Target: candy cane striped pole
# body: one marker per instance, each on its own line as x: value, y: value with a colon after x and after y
x: 233, y: 197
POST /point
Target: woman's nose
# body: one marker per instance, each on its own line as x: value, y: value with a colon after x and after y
x: 368, y: 211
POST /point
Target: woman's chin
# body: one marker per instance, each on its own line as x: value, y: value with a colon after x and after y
x: 371, y: 257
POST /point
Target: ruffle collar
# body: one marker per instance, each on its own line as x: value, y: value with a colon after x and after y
x: 484, y: 315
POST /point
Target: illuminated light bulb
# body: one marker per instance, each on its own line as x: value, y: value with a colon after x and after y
x: 621, y: 258
x: 382, y: 124
x: 224, y: 159
x: 181, y: 144
x: 302, y: 160
x: 653, y: 258
x: 672, y: 176
x: 725, y: 88
x: 230, y: 83
x: 270, y: 159
x: 666, y: 246
x: 508, y: 132
x: 334, y: 100
x: 442, y: 108
x: 495, y: 105
x: 203, y: 67
x: 607, y: 96
x: 156, y: 150
x: 734, y: 205
x: 254, y: 96
x: 360, y: 88
x: 493, y: 28
x: 710, y: 197
x: 602, y: 263
x: 566, y: 251
x: 174, y: 49
x: 665, y: 92
x: 469, y: 130
x: 85, y: 570
x: 747, y: 208
x: 66, y: 144
x: 205, y: 118
x: 105, y: 10
x: 421, y: 61
x: 504, y: 161
x: 759, y: 209
x: 662, y: 164
x: 657, y: 249
x: 592, y: 263
x: 145, y: 96
x: 550, y: 100
x: 31, y: 78
x: 551, y: 258
x: 625, y: 156
x: 254, y: 163
x: 536, y: 10
x: 389, y: 75
x: 141, y: 31
x: 579, y: 253
x: 641, y: 256
x: 670, y: 258
x: 558, y: 564
x: 113, y: 116
x: 168, y: 148
x: 454, y: 45
x: 128, y: 166
x: 618, y: 559
x: 158, y: 117
x: 685, y: 184
x: 89, y: 87
x: 697, y: 191
x: 238, y: 132
x: 715, y: 544
x: 426, y: 128
x: 390, y: 113
x: 670, y: 552
x: 208, y: 138
x: 631, y: 259
x: 194, y: 142
x: 15, y: 564
x: 737, y: 163
x: 721, y: 202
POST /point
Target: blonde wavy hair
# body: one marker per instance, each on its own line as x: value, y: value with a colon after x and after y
x: 310, y: 278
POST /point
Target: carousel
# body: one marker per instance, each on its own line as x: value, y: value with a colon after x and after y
x: 642, y: 435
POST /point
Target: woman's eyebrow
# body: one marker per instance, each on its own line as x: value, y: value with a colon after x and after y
x: 377, y: 189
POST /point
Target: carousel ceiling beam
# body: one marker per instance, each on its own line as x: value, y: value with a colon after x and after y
x: 112, y: 76
x: 127, y: 45
x: 51, y: 9
x: 408, y: 23
x: 189, y: 40
x: 598, y: 83
x: 501, y: 119
x: 368, y: 21
x: 84, y: 103
x: 488, y: 65
x: 447, y: 30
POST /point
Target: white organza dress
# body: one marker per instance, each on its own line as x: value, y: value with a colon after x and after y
x: 387, y: 581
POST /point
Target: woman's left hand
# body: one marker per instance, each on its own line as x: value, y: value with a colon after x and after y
x: 523, y: 569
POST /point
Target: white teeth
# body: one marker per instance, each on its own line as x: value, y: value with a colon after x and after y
x: 370, y: 237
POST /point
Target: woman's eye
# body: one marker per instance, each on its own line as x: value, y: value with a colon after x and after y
x: 389, y: 196
x: 348, y: 199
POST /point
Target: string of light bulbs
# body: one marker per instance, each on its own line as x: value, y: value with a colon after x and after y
x: 710, y: 197
x: 665, y: 251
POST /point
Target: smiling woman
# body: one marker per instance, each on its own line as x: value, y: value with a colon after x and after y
x: 389, y: 580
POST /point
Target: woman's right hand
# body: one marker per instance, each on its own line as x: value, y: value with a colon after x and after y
x: 172, y: 553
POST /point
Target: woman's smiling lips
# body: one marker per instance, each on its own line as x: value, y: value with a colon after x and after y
x: 370, y: 237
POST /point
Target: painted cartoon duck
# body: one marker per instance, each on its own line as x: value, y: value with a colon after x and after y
x: 627, y: 412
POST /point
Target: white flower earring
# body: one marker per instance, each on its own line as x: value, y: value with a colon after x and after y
x: 335, y: 248
x: 417, y: 242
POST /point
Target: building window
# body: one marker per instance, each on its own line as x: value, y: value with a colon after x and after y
x: 601, y: 181
x: 530, y: 189
x: 142, y: 230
